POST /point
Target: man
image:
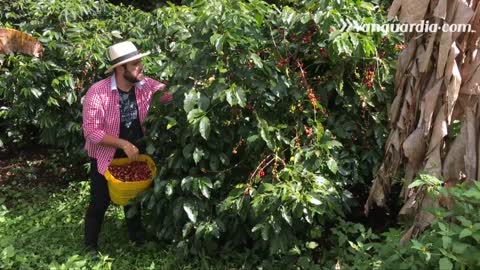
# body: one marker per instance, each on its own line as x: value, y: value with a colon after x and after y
x: 113, y: 113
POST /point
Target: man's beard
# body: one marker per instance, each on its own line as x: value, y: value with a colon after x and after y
x: 130, y: 78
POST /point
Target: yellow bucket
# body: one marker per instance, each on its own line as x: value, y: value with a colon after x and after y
x: 122, y: 192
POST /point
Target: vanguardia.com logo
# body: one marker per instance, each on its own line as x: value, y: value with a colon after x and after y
x: 422, y: 27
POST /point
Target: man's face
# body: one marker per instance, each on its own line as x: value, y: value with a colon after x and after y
x: 133, y: 71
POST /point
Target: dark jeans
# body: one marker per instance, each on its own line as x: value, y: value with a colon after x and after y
x: 99, y: 202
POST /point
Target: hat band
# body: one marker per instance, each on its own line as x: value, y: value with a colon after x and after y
x: 123, y: 57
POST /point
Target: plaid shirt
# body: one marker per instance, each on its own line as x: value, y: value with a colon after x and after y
x: 101, y: 114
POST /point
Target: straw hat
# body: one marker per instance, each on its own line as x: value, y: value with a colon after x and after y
x: 122, y: 53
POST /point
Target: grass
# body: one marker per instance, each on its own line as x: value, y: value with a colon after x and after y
x: 42, y: 228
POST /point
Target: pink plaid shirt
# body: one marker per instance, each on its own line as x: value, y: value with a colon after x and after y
x: 101, y: 114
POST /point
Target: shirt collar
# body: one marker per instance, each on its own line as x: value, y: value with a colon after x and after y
x: 113, y: 84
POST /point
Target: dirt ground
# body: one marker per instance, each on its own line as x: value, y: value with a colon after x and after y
x: 38, y: 166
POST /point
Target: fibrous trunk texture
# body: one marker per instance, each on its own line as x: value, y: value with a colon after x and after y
x: 436, y: 86
x: 12, y: 41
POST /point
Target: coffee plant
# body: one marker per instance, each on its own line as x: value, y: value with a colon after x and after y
x: 277, y: 115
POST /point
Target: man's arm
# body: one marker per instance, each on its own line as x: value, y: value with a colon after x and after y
x: 157, y: 86
x: 166, y: 97
x: 92, y: 117
x: 130, y: 149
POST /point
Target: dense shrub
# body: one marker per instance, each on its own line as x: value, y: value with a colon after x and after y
x: 276, y: 114
x: 265, y: 99
x: 451, y: 242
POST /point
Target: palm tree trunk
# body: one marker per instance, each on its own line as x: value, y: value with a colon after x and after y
x: 436, y: 83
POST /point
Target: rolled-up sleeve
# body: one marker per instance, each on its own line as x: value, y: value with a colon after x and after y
x: 93, y: 116
x: 156, y: 86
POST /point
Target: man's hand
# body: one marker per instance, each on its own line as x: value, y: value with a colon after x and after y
x: 130, y: 150
x: 166, y: 97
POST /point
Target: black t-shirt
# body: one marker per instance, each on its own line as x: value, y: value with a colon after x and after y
x: 130, y: 128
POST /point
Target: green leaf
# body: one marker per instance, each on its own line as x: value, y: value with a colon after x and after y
x: 240, y: 94
x: 442, y: 226
x: 36, y: 93
x: 132, y: 211
x: 70, y: 82
x: 231, y: 98
x: 259, y: 19
x: 285, y: 215
x: 332, y: 165
x: 288, y: 15
x: 445, y: 264
x: 447, y: 241
x: 8, y: 252
x: 71, y: 98
x: 472, y: 193
x: 150, y: 149
x: 187, y: 150
x: 475, y: 235
x: 187, y: 183
x: 157, y: 188
x: 430, y: 180
x: 416, y: 183
x: 187, y: 228
x: 191, y: 211
x: 200, y: 231
x: 169, y: 190
x: 217, y: 40
x: 171, y: 122
x: 428, y: 256
x: 459, y: 247
x: 257, y: 227
x: 190, y: 101
x: 464, y: 233
x: 318, y: 16
x: 252, y: 139
x: 52, y: 101
x: 263, y: 125
x: 304, y: 18
x: 214, y: 163
x: 207, y: 182
x: 198, y: 155
x: 314, y: 200
x: 205, y: 127
x: 205, y: 191
x: 203, y: 102
x: 320, y: 180
x: 194, y: 115
x: 117, y: 34
x: 333, y: 144
x: 224, y: 159
x: 256, y: 59
x: 465, y: 222
x: 265, y: 230
x: 311, y: 245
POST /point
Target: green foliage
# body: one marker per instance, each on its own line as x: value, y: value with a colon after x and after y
x: 35, y: 92
x: 275, y: 114
x: 249, y: 155
x: 451, y: 242
x: 42, y: 228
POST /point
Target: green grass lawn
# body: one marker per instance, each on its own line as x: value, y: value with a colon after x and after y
x: 42, y: 228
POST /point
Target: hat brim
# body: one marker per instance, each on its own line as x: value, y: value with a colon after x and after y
x: 138, y: 56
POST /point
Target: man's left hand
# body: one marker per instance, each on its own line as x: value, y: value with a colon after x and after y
x: 166, y: 97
